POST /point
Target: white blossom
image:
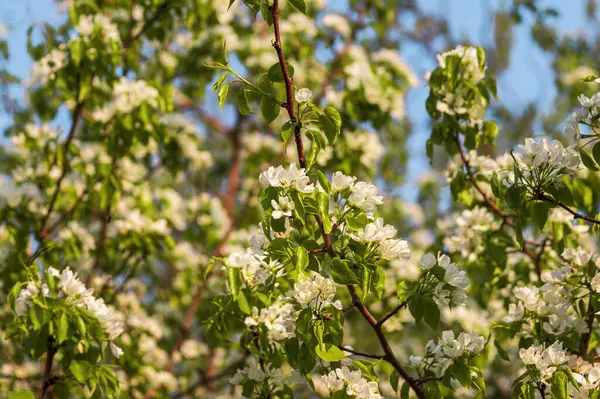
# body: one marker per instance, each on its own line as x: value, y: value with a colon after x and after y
x: 282, y: 207
x: 303, y: 95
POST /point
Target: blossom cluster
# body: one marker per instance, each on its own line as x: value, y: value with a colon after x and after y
x: 450, y: 289
x: 127, y: 95
x: 547, y: 359
x: 543, y: 163
x: 356, y: 385
x: 449, y: 349
x: 587, y: 115
x: 381, y: 236
x: 465, y: 232
x: 74, y: 293
x: 88, y: 23
x: 458, y: 99
x: 279, y: 319
x: 554, y: 304
x: 317, y: 292
x: 292, y: 177
x: 276, y: 377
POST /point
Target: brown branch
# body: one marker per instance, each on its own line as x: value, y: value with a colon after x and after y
x: 75, y: 119
x: 490, y: 203
x: 538, y: 259
x: 102, y: 240
x: 210, y: 379
x: 427, y: 379
x: 586, y: 337
x: 357, y: 353
x: 64, y: 216
x: 389, y: 354
x: 576, y: 215
x: 233, y: 181
x: 47, y: 380
x: 318, y: 250
x: 289, y: 85
x: 392, y: 313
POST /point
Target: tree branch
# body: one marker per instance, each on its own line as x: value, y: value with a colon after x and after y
x: 47, y: 380
x: 490, y: 203
x: 75, y: 119
x: 289, y: 85
x: 389, y: 354
x: 64, y: 216
x: 576, y: 215
x: 586, y: 337
x: 357, y: 353
x: 392, y: 313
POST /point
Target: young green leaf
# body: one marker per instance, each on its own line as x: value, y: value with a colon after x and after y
x: 269, y: 109
x: 341, y: 272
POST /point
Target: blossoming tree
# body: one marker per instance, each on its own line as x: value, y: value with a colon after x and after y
x: 151, y: 249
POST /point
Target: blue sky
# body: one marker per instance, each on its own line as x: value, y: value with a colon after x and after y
x: 529, y: 77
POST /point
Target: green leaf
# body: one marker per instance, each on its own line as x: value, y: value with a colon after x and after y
x: 243, y: 105
x: 559, y: 385
x: 356, y: 220
x: 301, y: 258
x: 405, y: 391
x: 490, y: 131
x: 462, y: 373
x: 333, y: 354
x: 539, y: 213
x: 242, y: 302
x: 248, y: 389
x: 286, y: 132
x: 315, y: 148
x: 324, y: 182
x: 332, y: 123
x: 323, y: 204
x: 394, y: 380
x: 275, y: 73
x: 588, y: 161
x: 491, y: 85
x: 565, y: 195
x: 503, y: 354
x: 589, y: 78
x: 222, y: 95
x: 367, y: 368
x: 220, y: 81
x: 341, y: 272
x: 62, y: 328
x: 404, y: 290
x: 234, y: 279
x: 80, y: 370
x: 298, y: 5
x: 513, y: 197
x: 269, y: 109
x: 481, y: 57
x: 596, y: 152
x: 416, y: 306
x: 21, y: 395
x: 76, y: 47
x: 432, y: 313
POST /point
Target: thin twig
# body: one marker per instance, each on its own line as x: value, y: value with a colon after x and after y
x: 75, y: 119
x: 392, y: 313
x: 65, y: 215
x: 47, y: 380
x: 363, y: 354
x: 576, y: 215
x: 491, y: 204
x: 289, y: 85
